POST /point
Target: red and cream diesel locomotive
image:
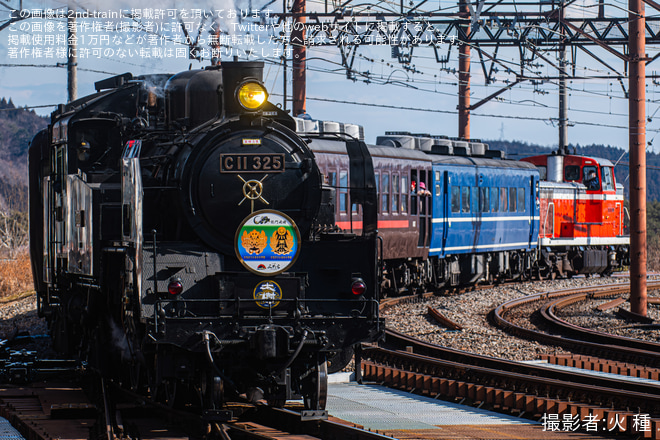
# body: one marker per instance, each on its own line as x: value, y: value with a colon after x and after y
x: 583, y: 220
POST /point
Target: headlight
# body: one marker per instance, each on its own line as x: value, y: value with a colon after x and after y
x: 252, y: 95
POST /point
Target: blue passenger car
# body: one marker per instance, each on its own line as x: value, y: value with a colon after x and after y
x: 485, y: 217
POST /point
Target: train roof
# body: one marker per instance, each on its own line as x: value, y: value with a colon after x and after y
x: 481, y: 162
x: 333, y: 146
x: 599, y: 160
x: 329, y: 137
x: 398, y: 153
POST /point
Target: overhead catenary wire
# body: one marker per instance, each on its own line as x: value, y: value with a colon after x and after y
x: 440, y: 83
x: 429, y: 110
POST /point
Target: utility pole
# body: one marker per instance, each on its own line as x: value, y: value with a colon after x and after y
x: 72, y: 60
x: 637, y: 137
x: 299, y: 55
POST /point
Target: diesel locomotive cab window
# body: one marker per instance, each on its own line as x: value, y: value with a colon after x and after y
x: 521, y: 199
x: 590, y: 177
x: 608, y: 180
x: 495, y: 198
x: 455, y: 199
x: 571, y: 173
x: 465, y: 198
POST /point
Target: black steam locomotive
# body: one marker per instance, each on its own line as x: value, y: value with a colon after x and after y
x: 180, y: 242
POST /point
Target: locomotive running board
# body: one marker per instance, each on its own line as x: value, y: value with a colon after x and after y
x: 310, y: 414
x: 215, y: 415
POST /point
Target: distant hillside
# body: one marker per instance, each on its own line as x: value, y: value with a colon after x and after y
x: 17, y: 127
x: 618, y: 156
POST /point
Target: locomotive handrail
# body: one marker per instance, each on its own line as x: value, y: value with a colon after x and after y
x: 547, y: 215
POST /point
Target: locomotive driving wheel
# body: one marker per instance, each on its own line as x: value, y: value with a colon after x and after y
x: 315, y: 389
x: 339, y: 360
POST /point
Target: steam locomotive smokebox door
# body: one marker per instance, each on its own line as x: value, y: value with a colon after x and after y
x: 274, y: 296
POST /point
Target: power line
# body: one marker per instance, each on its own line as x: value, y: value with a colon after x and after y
x: 429, y: 110
x: 56, y: 66
x: 30, y: 107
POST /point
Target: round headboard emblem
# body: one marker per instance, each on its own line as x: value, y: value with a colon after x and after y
x: 267, y: 242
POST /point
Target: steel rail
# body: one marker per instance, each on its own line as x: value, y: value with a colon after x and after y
x: 648, y: 357
x: 621, y: 396
x: 548, y: 312
x: 396, y: 341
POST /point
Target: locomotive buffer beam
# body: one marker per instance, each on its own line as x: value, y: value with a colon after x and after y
x: 24, y: 366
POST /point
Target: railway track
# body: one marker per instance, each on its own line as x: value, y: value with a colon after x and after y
x: 529, y: 390
x: 581, y: 340
x: 596, y: 403
x: 63, y: 410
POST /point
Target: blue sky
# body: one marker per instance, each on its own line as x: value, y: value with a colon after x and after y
x: 596, y: 107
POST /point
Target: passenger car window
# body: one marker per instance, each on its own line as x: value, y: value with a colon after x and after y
x: 332, y: 178
x: 465, y: 199
x: 385, y: 196
x: 512, y: 199
x: 504, y: 194
x: 404, y: 193
x: 455, y: 199
x: 484, y: 200
x: 395, y: 193
x: 343, y: 187
x: 521, y: 199
x: 495, y: 197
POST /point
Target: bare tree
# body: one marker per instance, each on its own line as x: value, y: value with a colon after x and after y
x: 13, y: 216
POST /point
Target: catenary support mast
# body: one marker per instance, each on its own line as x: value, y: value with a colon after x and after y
x: 299, y: 54
x: 637, y: 136
x: 72, y: 60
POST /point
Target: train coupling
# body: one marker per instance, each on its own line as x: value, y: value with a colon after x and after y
x: 270, y: 342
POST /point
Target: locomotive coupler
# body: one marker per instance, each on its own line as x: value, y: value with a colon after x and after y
x: 270, y: 342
